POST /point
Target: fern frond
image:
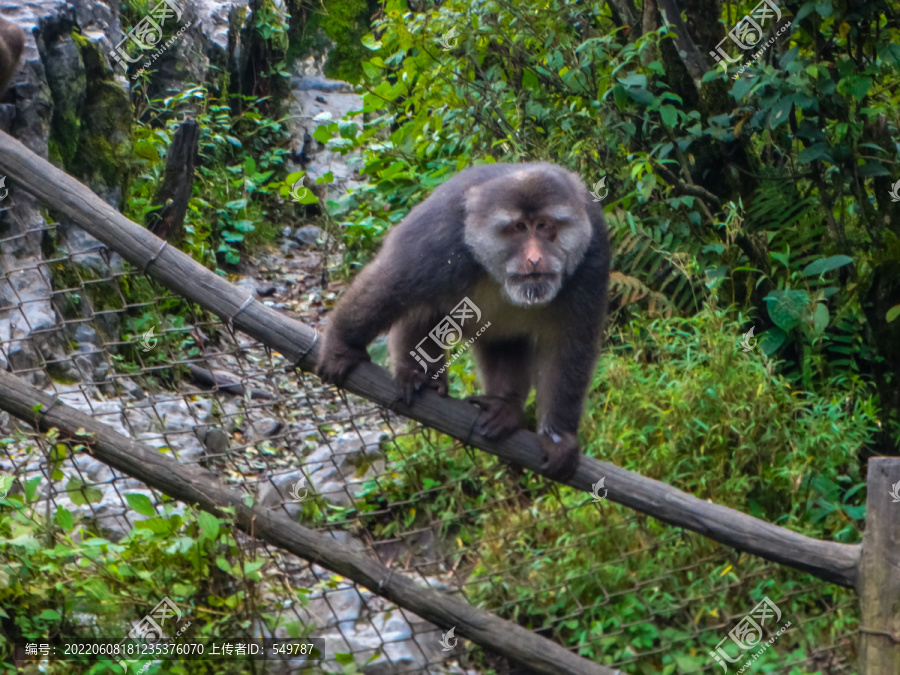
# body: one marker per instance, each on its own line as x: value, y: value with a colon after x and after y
x: 626, y: 290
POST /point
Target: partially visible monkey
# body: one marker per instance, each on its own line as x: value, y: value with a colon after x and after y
x: 12, y: 42
x: 527, y: 246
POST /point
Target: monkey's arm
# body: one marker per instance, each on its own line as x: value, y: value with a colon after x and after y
x: 369, y: 307
x: 422, y: 260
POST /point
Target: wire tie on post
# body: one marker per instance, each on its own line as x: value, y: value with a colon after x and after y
x: 241, y: 308
x: 384, y: 582
x: 883, y: 633
x: 229, y: 321
x: 308, y: 350
x: 53, y: 403
x: 43, y: 411
x: 154, y: 257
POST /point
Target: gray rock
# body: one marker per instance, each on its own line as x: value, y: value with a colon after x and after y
x: 277, y: 490
x: 262, y: 429
x: 248, y: 284
x: 330, y: 608
x: 316, y: 83
x: 216, y: 441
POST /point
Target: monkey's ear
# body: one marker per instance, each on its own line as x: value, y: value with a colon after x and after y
x: 470, y: 199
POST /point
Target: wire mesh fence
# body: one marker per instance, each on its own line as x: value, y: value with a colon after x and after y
x: 619, y: 587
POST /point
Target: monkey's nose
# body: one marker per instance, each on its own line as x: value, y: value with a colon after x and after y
x: 534, y: 263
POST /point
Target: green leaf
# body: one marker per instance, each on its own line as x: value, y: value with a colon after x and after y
x: 64, y: 518
x: 669, y: 115
x: 140, y: 503
x: 813, y: 152
x: 145, y: 149
x: 244, y: 225
x: 893, y: 313
x: 209, y: 525
x: 820, y: 318
x: 642, y: 96
x: 322, y: 134
x: 369, y: 42
x: 807, y: 9
x: 787, y: 307
x: 873, y: 169
x: 823, y: 265
x: 309, y: 197
x: 860, y: 86
x: 634, y: 80
x: 771, y: 340
x: 81, y: 495
x: 742, y: 86
x: 236, y: 205
x: 781, y: 111
x: 370, y: 70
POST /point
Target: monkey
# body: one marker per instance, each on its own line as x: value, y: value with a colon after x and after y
x: 12, y: 43
x: 522, y: 245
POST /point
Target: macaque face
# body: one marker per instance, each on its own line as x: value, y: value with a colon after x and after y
x: 529, y: 240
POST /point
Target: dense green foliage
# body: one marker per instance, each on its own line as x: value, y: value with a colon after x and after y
x: 767, y: 194
x: 60, y: 577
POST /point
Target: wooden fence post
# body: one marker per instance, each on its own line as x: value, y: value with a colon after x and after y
x: 878, y: 583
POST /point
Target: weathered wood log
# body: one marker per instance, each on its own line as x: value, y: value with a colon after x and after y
x: 167, y: 220
x: 879, y: 571
x: 178, y: 272
x: 194, y: 485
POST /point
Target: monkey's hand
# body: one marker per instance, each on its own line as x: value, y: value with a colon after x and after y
x: 337, y: 360
x: 411, y: 379
x: 499, y: 418
x: 561, y: 454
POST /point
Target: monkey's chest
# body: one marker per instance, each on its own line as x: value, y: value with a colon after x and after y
x: 506, y: 320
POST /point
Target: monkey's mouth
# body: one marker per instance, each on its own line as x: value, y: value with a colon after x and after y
x: 535, y: 288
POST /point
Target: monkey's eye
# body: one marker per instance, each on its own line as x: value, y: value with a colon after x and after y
x: 521, y: 227
x: 541, y: 226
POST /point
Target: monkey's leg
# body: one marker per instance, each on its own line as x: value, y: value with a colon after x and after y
x: 506, y: 370
x: 416, y: 360
x: 565, y: 367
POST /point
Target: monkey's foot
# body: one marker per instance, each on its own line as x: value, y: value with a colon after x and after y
x: 337, y: 361
x: 410, y: 380
x: 561, y: 454
x: 499, y: 418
